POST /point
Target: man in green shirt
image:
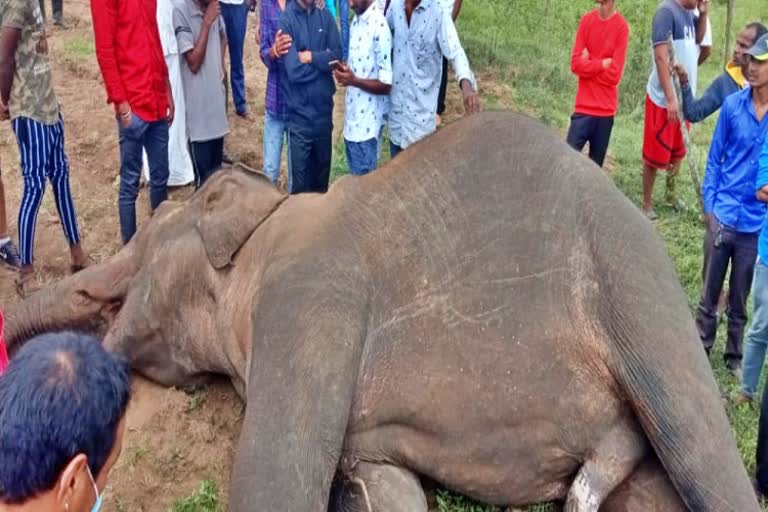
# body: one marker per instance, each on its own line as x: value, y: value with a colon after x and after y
x: 26, y: 87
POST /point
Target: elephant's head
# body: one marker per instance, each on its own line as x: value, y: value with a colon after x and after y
x: 157, y: 300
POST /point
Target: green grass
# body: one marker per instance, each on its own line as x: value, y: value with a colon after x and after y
x: 80, y: 47
x: 527, y: 44
x: 204, y: 499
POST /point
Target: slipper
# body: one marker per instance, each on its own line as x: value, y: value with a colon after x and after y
x: 651, y: 215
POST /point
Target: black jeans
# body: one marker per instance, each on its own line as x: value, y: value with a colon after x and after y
x: 443, y: 89
x: 309, y: 160
x: 724, y: 246
x: 207, y: 157
x: 58, y: 6
x: 595, y: 130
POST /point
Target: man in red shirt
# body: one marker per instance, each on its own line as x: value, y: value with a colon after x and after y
x: 598, y: 60
x: 136, y: 78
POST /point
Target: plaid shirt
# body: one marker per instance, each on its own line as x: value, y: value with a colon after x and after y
x: 270, y: 18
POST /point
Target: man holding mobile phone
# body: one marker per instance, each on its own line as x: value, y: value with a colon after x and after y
x: 368, y: 78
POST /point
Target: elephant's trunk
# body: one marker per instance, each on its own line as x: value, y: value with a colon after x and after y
x: 86, y: 301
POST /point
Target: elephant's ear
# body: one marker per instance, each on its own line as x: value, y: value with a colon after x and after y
x: 234, y: 204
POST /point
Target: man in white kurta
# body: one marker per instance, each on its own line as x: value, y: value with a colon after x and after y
x: 179, y: 163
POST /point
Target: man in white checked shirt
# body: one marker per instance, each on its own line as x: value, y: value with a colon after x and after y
x: 423, y: 34
x: 368, y: 78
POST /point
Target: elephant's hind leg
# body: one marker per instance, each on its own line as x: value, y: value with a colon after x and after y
x: 610, y: 463
x: 378, y: 488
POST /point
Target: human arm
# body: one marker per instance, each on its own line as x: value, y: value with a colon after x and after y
x: 450, y: 45
x: 705, y: 47
x: 762, y: 175
x: 714, y: 161
x: 104, y: 17
x: 320, y: 59
x: 382, y: 85
x: 615, y: 70
x: 194, y: 51
x: 581, y: 64
x: 9, y: 41
x: 456, y: 9
x: 702, y: 20
x: 696, y: 110
x: 661, y: 35
x: 296, y: 71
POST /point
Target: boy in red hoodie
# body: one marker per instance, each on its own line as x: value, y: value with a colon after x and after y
x: 598, y: 60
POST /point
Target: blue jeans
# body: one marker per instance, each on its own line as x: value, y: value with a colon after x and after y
x: 152, y: 137
x: 757, y: 338
x: 394, y: 150
x: 274, y: 137
x: 236, y: 23
x: 362, y: 157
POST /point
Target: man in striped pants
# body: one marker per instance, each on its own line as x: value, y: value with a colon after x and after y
x: 26, y: 87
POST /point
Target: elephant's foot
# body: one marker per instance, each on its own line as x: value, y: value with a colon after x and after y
x: 647, y: 490
x: 615, y: 458
x: 378, y: 488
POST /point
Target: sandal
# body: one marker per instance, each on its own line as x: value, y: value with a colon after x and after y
x: 26, y: 284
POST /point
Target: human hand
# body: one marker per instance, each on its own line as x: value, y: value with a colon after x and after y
x: 584, y: 53
x: 673, y: 110
x: 124, y: 113
x: 344, y: 76
x: 211, y: 13
x: 4, y: 114
x: 682, y: 74
x: 471, y: 99
x: 305, y: 57
x: 607, y: 63
x: 282, y: 44
x: 703, y: 6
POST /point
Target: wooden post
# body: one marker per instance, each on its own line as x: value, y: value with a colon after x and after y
x: 728, y: 31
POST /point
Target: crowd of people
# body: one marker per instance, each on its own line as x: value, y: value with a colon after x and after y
x: 165, y: 75
x: 164, y: 71
x: 735, y: 186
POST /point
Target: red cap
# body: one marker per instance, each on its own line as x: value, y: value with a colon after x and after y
x: 3, y: 352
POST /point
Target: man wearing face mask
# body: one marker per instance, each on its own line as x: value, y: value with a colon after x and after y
x: 62, y: 417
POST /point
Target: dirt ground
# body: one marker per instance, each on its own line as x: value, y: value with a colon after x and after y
x: 174, y: 441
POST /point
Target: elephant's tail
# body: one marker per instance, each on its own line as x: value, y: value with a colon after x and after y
x: 662, y: 367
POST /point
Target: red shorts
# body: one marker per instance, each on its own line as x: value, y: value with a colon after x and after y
x: 663, y: 142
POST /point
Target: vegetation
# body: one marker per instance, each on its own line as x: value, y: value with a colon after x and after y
x: 204, y: 499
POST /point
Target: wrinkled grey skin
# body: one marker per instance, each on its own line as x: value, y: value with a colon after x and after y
x: 487, y: 311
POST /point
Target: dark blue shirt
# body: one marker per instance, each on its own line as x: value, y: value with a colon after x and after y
x: 762, y: 181
x: 698, y: 110
x: 729, y: 182
x: 308, y: 89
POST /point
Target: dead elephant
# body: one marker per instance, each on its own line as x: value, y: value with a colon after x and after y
x: 487, y: 311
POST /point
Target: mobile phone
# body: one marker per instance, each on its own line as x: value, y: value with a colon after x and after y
x: 335, y: 64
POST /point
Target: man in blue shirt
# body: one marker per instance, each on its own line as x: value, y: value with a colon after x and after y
x: 734, y: 215
x: 306, y: 82
x: 733, y: 78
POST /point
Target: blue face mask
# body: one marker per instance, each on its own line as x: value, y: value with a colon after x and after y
x: 97, y: 503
